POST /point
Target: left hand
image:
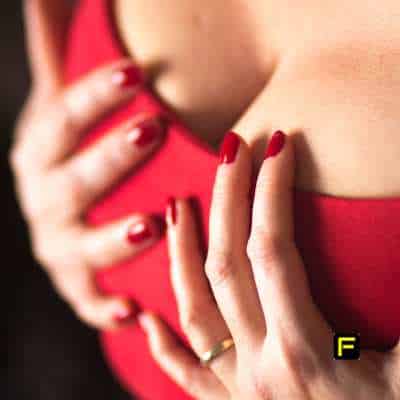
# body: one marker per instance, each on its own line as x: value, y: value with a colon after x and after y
x: 254, y: 289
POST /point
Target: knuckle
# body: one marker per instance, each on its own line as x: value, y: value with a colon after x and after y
x: 74, y: 189
x: 75, y: 196
x: 265, y: 247
x: 219, y: 266
x: 291, y: 353
x: 36, y: 212
x: 41, y: 257
x: 63, y: 277
x: 19, y: 159
x: 192, y: 320
x: 84, y: 312
x: 252, y: 380
x: 55, y: 252
x: 51, y: 198
x: 298, y: 361
x: 86, y: 309
x: 92, y: 249
x: 192, y: 316
x: 36, y: 209
x: 47, y: 258
x: 80, y: 310
x: 260, y: 388
x: 63, y: 115
x: 114, y: 154
x: 92, y: 94
x: 15, y: 159
x: 88, y: 97
x: 42, y: 254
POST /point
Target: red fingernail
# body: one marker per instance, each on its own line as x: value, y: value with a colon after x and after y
x: 229, y: 148
x: 126, y: 315
x: 128, y: 77
x: 275, y: 144
x: 171, y: 210
x: 145, y: 132
x: 138, y: 233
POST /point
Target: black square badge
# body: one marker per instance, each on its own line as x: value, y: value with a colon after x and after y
x: 346, y: 346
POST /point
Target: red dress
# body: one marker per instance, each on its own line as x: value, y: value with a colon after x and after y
x: 351, y: 247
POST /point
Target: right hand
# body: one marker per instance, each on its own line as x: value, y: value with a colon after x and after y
x: 56, y: 186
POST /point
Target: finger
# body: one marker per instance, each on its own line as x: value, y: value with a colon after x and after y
x: 114, y: 243
x: 199, y: 315
x: 396, y: 350
x: 278, y: 269
x: 58, y: 132
x: 46, y: 23
x: 78, y: 287
x: 95, y: 170
x: 227, y: 266
x: 394, y: 356
x: 177, y: 362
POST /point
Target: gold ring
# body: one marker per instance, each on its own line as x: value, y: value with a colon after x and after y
x: 216, y: 351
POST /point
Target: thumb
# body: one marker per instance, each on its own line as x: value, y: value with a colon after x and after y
x: 46, y: 23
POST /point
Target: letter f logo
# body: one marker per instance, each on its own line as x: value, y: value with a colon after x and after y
x: 346, y: 347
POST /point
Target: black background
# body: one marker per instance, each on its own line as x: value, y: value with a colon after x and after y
x: 46, y: 354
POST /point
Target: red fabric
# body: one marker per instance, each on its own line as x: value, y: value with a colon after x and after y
x: 350, y: 247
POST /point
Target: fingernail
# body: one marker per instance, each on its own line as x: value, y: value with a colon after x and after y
x: 171, y: 210
x: 145, y: 132
x: 229, y: 148
x: 125, y: 315
x: 275, y: 144
x: 127, y: 77
x: 138, y: 233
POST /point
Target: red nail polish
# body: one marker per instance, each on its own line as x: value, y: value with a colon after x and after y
x: 229, y: 148
x: 138, y: 233
x: 275, y: 144
x: 128, y: 77
x: 145, y: 132
x: 171, y: 210
x: 126, y: 315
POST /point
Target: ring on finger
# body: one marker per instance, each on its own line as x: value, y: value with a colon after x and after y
x: 219, y: 348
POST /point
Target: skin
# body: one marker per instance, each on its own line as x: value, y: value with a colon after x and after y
x: 252, y: 286
x: 56, y: 187
x: 296, y: 79
x: 327, y: 75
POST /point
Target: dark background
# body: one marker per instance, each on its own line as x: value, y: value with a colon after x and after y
x: 46, y: 354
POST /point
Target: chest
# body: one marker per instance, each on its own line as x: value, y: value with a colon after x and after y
x: 210, y: 60
x: 205, y: 58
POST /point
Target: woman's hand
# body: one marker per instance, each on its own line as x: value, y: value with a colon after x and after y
x: 253, y: 288
x: 56, y: 187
